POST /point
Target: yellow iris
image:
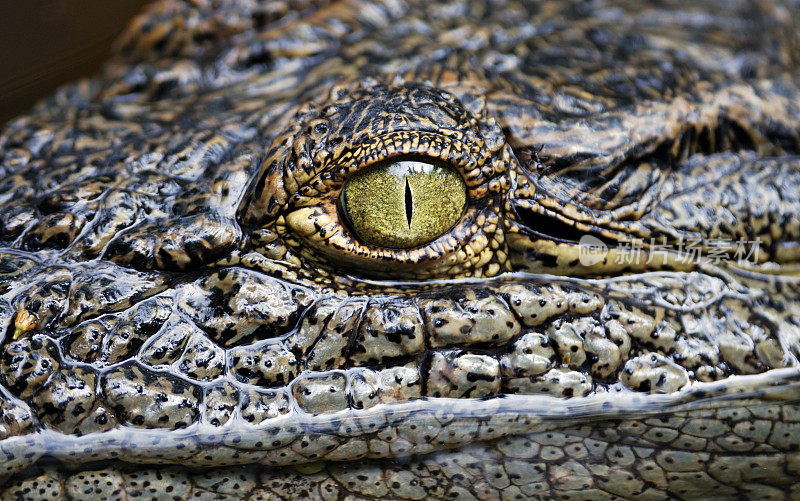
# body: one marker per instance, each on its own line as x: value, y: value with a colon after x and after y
x: 403, y: 204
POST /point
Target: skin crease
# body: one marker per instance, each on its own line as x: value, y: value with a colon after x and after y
x: 188, y: 312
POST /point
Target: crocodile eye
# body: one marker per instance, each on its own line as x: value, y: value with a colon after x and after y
x: 402, y: 183
x: 403, y: 204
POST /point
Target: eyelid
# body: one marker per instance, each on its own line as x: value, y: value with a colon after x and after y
x: 331, y: 174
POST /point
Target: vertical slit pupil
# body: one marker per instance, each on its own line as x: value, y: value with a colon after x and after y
x: 409, y: 203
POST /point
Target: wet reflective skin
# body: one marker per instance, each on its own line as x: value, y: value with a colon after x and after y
x: 342, y: 252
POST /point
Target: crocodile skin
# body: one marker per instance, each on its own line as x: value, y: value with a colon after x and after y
x: 186, y: 314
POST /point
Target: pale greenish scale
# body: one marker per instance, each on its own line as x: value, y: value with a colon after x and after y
x: 403, y: 204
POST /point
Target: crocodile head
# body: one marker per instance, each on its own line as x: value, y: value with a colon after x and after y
x: 311, y: 242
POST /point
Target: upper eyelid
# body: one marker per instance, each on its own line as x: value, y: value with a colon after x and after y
x: 335, y: 170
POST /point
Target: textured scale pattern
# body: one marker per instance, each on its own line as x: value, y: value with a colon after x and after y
x: 185, y: 314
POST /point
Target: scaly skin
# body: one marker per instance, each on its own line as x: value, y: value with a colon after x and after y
x: 186, y: 314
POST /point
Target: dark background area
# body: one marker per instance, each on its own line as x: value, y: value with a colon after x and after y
x: 45, y: 43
